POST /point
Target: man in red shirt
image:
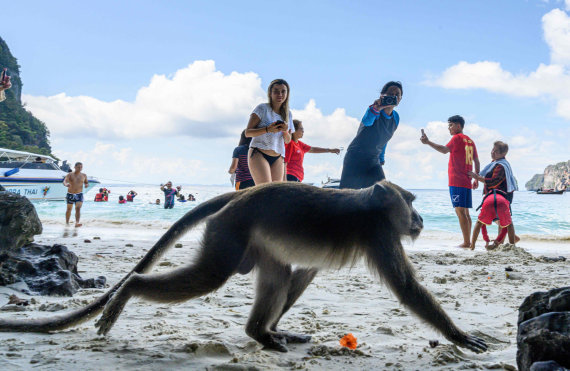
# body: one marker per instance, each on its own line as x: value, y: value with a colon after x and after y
x: 295, y: 153
x: 463, y: 154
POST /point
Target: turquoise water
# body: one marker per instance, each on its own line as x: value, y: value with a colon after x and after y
x: 539, y: 216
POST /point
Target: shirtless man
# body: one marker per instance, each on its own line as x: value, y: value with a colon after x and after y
x: 74, y: 182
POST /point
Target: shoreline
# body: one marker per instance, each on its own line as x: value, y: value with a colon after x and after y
x: 208, y: 332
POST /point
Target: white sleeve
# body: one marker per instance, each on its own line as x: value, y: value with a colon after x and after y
x: 260, y: 111
x: 291, y: 126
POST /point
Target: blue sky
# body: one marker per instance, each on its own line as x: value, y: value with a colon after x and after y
x: 142, y: 91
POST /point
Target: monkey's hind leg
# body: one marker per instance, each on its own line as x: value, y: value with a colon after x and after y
x: 273, y: 281
x: 300, y: 279
x: 217, y: 261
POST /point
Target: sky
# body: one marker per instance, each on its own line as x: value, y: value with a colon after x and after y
x: 145, y: 91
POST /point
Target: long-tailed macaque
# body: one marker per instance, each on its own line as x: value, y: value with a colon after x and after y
x: 253, y: 228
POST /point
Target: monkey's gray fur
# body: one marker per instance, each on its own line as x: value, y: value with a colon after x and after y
x: 270, y: 227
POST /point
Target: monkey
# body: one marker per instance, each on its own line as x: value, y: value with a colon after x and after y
x: 251, y: 229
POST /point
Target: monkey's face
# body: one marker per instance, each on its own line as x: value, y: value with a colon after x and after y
x: 417, y: 222
x: 404, y: 216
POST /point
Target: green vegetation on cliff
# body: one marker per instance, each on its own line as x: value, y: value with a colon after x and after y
x: 19, y: 129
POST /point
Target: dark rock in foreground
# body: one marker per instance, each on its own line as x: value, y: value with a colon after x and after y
x: 47, y: 270
x: 543, y: 337
x: 19, y: 221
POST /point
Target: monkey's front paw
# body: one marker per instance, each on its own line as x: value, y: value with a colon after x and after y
x: 472, y: 343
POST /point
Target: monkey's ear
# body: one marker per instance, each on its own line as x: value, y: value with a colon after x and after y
x: 384, y: 193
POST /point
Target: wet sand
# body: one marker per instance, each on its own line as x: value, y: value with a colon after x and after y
x: 208, y: 332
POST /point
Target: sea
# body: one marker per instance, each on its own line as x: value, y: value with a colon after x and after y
x: 536, y: 217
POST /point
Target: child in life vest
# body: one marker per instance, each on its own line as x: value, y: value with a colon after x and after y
x: 494, y: 206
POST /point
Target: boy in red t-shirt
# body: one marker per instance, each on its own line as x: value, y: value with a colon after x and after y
x: 295, y: 153
x: 463, y: 154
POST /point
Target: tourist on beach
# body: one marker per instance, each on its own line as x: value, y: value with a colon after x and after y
x: 498, y: 175
x: 157, y: 202
x: 122, y: 200
x: 74, y: 182
x: 169, y: 194
x: 362, y: 166
x: 106, y: 194
x: 295, y: 153
x: 181, y: 199
x: 270, y: 125
x: 99, y: 196
x: 239, y: 166
x: 5, y: 84
x: 191, y: 197
x: 462, y: 156
x: 495, y: 206
x: 131, y: 196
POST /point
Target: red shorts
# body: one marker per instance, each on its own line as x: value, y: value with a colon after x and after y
x: 488, y: 214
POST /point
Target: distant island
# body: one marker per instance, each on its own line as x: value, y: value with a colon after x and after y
x: 554, y: 176
x: 19, y: 129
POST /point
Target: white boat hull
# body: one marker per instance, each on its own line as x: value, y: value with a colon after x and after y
x: 40, y: 190
x: 37, y: 177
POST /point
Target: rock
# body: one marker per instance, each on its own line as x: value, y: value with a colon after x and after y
x: 540, y: 302
x: 47, y: 270
x: 178, y: 245
x: 548, y: 259
x: 87, y: 241
x: 129, y: 245
x: 547, y: 366
x: 19, y: 222
x: 544, y: 338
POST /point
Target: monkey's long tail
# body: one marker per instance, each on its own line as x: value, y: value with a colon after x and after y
x: 80, y: 315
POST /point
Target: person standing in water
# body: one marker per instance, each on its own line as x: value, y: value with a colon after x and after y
x: 362, y: 166
x: 270, y: 125
x: 295, y: 153
x: 74, y: 182
x: 169, y: 194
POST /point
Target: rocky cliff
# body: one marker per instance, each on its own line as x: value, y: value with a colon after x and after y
x: 554, y: 176
x: 19, y: 129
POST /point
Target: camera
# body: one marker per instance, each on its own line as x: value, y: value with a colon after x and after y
x: 389, y: 100
x: 280, y: 122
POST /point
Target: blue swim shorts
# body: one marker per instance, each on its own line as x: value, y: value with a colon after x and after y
x: 460, y: 197
x: 74, y: 197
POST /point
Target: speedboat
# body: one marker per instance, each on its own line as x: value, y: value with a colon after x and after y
x: 35, y: 176
x: 331, y: 183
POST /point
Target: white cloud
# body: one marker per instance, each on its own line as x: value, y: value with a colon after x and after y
x: 567, y: 5
x: 334, y: 130
x: 197, y: 101
x: 547, y: 80
x: 113, y: 163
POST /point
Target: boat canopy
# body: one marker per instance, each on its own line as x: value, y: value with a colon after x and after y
x: 12, y: 155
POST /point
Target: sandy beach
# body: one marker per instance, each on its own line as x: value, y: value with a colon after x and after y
x: 208, y: 332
